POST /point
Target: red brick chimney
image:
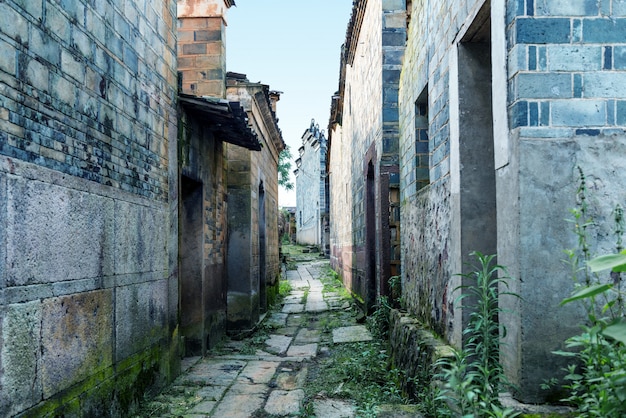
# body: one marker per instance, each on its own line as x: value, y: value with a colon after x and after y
x: 202, y: 47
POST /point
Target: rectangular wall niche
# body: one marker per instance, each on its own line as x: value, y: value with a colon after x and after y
x: 422, y: 153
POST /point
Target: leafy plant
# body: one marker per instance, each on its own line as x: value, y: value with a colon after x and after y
x: 378, y: 321
x: 284, y: 167
x: 474, y: 377
x: 597, y: 376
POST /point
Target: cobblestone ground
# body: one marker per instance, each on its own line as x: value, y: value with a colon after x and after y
x: 268, y: 373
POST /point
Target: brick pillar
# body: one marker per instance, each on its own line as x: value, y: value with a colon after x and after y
x: 202, y: 47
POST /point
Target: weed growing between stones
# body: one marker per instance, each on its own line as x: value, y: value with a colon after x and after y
x: 474, y: 378
x: 597, y: 375
x: 356, y: 371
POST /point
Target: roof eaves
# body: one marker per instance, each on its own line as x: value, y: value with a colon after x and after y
x: 227, y: 120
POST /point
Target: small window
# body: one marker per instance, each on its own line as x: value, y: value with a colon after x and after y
x: 422, y: 154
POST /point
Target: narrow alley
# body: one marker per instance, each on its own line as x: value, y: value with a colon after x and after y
x: 300, y: 361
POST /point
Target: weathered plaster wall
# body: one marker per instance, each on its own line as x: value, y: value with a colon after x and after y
x: 565, y: 105
x: 88, y: 290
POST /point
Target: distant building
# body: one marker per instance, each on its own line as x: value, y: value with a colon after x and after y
x: 312, y: 189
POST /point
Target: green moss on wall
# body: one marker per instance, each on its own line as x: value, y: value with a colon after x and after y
x: 115, y: 390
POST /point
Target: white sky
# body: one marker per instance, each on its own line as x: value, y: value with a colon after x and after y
x: 294, y: 46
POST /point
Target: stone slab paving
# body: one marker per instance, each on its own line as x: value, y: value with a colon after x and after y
x: 284, y: 402
x: 278, y: 344
x: 277, y: 319
x: 351, y: 334
x: 306, y: 336
x: 293, y: 308
x: 270, y: 381
x: 306, y: 350
x: 333, y: 408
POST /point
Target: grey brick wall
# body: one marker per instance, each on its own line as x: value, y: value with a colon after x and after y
x: 87, y: 90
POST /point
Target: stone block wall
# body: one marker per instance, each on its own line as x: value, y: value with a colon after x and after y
x: 88, y: 293
x: 415, y: 350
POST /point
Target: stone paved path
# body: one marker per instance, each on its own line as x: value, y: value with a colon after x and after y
x: 268, y: 382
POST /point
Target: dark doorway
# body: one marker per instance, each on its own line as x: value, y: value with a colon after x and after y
x: 476, y: 144
x: 190, y: 266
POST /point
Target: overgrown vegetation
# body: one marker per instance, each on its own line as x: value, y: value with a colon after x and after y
x: 356, y: 371
x: 360, y: 371
x: 474, y: 378
x: 596, y: 379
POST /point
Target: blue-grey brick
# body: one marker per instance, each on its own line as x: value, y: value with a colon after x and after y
x: 544, y: 114
x: 605, y: 84
x: 619, y: 57
x: 517, y: 59
x: 57, y: 22
x: 532, y: 58
x: 82, y: 43
x: 577, y: 30
x: 37, y: 75
x: 393, y: 57
x: 578, y: 113
x: 391, y: 5
x: 542, y: 31
x: 533, y: 114
x: 72, y: 67
x: 567, y: 8
x: 74, y: 8
x: 12, y: 24
x: 42, y: 46
x: 122, y: 27
x: 619, y: 8
x: 518, y: 114
x: 130, y: 59
x: 574, y: 58
x: 543, y: 85
x: 604, y: 30
x: 8, y: 61
x: 578, y: 85
x: 94, y: 24
x: 394, y: 37
x: 62, y: 89
x: 621, y: 112
x: 543, y: 58
x: 33, y: 7
x: 610, y: 112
